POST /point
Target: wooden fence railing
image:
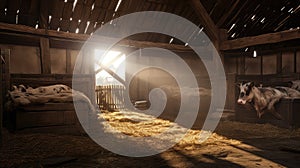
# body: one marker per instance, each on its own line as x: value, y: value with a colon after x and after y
x: 110, y: 97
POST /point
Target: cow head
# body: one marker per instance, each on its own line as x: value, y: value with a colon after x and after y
x: 245, y: 93
x: 294, y: 84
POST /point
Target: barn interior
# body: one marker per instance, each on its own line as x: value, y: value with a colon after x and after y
x: 60, y: 44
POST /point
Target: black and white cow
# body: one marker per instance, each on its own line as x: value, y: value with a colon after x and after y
x: 295, y: 84
x: 264, y: 98
x: 21, y: 95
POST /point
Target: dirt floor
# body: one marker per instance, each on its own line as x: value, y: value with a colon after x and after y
x: 233, y: 144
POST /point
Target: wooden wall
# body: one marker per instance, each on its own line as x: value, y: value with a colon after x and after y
x: 264, y: 64
x: 150, y: 78
x: 27, y: 59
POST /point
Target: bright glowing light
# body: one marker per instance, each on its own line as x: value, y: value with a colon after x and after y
x: 231, y: 27
x: 118, y: 5
x: 104, y: 59
x: 112, y: 60
x: 74, y: 4
x: 254, y: 54
x: 119, y: 61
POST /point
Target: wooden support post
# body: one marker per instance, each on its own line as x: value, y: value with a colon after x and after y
x: 295, y: 61
x: 279, y: 63
x: 45, y: 56
x: 1, y: 95
x: 243, y: 65
x: 4, y: 81
x: 69, y: 69
x: 261, y: 66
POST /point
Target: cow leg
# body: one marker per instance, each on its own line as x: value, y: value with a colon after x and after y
x: 272, y: 109
x: 260, y: 113
x: 276, y: 114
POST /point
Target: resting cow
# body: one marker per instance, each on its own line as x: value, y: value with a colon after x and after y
x: 264, y: 98
x: 295, y: 84
x: 21, y: 95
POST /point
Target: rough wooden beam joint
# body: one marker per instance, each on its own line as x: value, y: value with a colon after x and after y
x: 260, y: 39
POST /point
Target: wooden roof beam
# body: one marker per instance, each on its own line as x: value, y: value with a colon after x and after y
x: 208, y: 24
x: 260, y: 39
x: 73, y: 37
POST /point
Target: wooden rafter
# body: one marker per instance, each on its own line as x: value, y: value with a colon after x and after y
x: 110, y: 62
x: 208, y: 24
x: 112, y: 73
x: 260, y: 39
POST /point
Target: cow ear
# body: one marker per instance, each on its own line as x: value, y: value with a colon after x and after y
x: 14, y: 87
x: 290, y: 83
x: 251, y: 84
x: 238, y: 85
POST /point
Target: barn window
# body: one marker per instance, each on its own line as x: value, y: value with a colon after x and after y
x: 109, y: 67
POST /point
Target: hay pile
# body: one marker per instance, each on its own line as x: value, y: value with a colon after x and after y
x: 141, y: 125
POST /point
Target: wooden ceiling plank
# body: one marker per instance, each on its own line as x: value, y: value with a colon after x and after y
x: 24, y: 12
x: 56, y: 11
x: 34, y: 12
x: 85, y: 18
x: 260, y: 39
x: 44, y: 14
x: 76, y: 15
x: 12, y: 7
x: 3, y: 5
x: 110, y: 10
x: 227, y: 14
x: 67, y: 14
x: 233, y: 19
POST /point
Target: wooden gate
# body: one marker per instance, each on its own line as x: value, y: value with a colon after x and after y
x: 110, y: 97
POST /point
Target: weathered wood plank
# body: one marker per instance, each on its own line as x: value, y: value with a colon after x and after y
x: 2, y: 62
x: 56, y: 12
x: 19, y: 39
x: 67, y: 14
x: 83, y: 37
x: 227, y: 14
x: 260, y: 39
x: 12, y: 8
x: 76, y: 16
x: 24, y: 12
x: 68, y: 62
x: 3, y: 4
x: 44, y: 14
x: 45, y: 56
x: 84, y: 18
x: 279, y: 63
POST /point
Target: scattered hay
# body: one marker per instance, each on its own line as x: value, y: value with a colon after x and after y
x: 22, y: 149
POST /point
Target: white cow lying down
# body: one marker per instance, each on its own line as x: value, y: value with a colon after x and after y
x: 21, y: 95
